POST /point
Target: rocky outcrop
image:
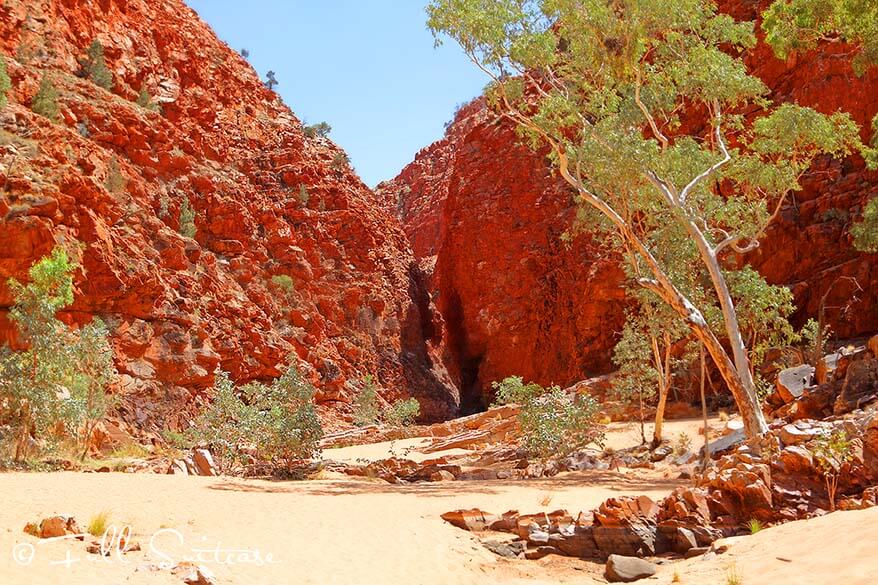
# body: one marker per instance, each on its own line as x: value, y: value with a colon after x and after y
x: 292, y: 258
x: 517, y: 300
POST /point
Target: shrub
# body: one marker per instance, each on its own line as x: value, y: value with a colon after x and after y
x: 284, y: 283
x: 94, y: 66
x: 513, y: 390
x: 683, y: 444
x: 340, y: 161
x: 270, y: 80
x: 555, y: 423
x: 304, y: 196
x: 321, y: 129
x: 278, y: 420
x: 144, y: 100
x: 831, y: 452
x: 5, y: 83
x: 403, y: 413
x: 115, y: 180
x: 366, y: 409
x: 187, y: 219
x: 45, y: 102
x: 754, y: 526
x: 865, y: 233
x: 98, y: 524
x: 59, y: 382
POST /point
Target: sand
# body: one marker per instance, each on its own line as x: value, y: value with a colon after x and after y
x: 351, y: 532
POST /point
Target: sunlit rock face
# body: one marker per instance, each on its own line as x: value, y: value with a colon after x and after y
x: 292, y: 260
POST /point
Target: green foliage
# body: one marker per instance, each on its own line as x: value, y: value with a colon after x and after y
x: 94, y: 66
x: 5, y: 83
x: 754, y: 526
x: 763, y: 311
x: 45, y: 102
x: 321, y: 129
x: 116, y: 181
x: 865, y: 233
x: 683, y: 444
x: 366, y: 408
x: 340, y: 162
x: 144, y: 100
x: 801, y: 24
x: 98, y: 524
x: 402, y: 413
x: 187, y: 219
x: 831, y: 452
x: 59, y: 381
x: 556, y: 424
x: 278, y: 421
x: 513, y: 390
x: 284, y: 283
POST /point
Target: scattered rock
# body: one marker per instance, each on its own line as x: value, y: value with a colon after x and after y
x: 628, y: 569
x: 473, y: 520
x: 204, y: 464
x: 509, y: 550
x: 792, y: 382
x: 193, y: 574
x: 54, y: 526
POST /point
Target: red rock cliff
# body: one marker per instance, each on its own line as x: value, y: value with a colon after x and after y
x: 518, y: 301
x: 268, y: 202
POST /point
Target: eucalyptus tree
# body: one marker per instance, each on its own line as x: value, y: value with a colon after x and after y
x: 641, y: 105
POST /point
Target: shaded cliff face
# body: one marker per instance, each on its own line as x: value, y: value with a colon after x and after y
x: 269, y: 202
x: 518, y: 301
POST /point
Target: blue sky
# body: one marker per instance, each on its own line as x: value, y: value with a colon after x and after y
x: 368, y: 67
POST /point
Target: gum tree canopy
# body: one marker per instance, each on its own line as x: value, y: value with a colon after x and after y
x: 649, y: 114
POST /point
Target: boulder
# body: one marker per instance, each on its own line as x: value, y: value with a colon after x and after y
x: 796, y: 459
x: 621, y: 569
x: 799, y: 432
x: 473, y: 520
x: 56, y: 526
x: 792, y: 382
x: 203, y: 461
x: 860, y: 386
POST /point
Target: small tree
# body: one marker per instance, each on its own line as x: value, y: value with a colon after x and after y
x: 227, y: 426
x: 513, y: 390
x: 270, y: 80
x: 187, y: 219
x: 340, y: 162
x: 402, y: 413
x: 144, y: 100
x: 556, y: 423
x: 603, y: 87
x: 5, y: 83
x: 93, y: 357
x: 831, y: 452
x: 321, y: 129
x: 94, y: 66
x: 62, y: 375
x: 366, y: 409
x: 865, y: 233
x: 278, y: 420
x: 45, y: 102
x: 304, y: 196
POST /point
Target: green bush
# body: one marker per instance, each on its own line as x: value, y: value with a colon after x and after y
x: 513, y: 390
x: 5, y: 83
x: 340, y: 161
x: 278, y: 422
x: 284, y: 283
x: 556, y: 424
x: 144, y: 100
x: 403, y: 413
x: 366, y: 409
x: 304, y: 196
x: 58, y: 383
x: 321, y: 129
x: 831, y: 452
x: 187, y: 219
x: 865, y: 233
x: 94, y: 66
x: 45, y: 102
